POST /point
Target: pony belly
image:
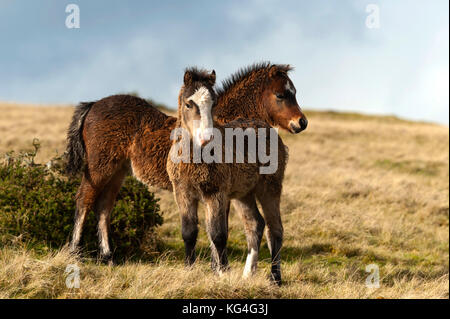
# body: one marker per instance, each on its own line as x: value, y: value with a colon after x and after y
x: 244, y: 187
x: 149, y: 154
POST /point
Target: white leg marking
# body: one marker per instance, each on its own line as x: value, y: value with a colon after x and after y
x: 104, y: 244
x: 250, y: 263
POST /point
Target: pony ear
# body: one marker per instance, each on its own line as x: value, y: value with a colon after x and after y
x: 188, y: 78
x: 212, y: 77
x: 273, y: 71
x: 276, y: 70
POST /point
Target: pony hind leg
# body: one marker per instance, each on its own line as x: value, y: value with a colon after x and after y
x: 103, y: 208
x: 254, y: 229
x: 217, y: 229
x: 274, y: 232
x: 85, y: 201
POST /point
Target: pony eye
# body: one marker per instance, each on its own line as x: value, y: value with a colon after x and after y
x: 280, y: 96
x: 188, y: 106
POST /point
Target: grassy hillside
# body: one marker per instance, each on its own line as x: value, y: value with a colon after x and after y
x: 359, y: 190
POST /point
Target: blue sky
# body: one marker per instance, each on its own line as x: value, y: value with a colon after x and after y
x: 401, y: 68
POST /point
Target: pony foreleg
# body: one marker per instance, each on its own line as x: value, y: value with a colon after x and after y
x: 274, y: 232
x: 189, y: 230
x: 216, y: 227
x: 254, y: 229
x: 187, y: 206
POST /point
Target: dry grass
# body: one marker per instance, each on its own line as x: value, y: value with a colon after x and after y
x: 19, y: 124
x: 358, y: 190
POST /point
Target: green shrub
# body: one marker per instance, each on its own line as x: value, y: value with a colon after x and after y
x: 37, y: 202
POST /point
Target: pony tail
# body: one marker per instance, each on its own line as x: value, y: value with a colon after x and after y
x: 75, y: 151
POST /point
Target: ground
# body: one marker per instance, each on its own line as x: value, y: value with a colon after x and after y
x: 359, y: 190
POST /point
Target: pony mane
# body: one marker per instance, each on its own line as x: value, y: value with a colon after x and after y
x: 200, y: 75
x: 245, y: 72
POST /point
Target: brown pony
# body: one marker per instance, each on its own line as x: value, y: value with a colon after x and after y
x: 121, y: 133
x: 216, y: 183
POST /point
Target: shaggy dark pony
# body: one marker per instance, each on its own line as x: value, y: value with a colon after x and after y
x: 216, y: 183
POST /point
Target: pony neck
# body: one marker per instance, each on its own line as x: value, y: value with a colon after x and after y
x: 244, y: 99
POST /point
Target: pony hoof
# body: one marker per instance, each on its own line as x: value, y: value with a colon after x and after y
x: 106, y: 260
x: 247, y: 275
x: 189, y: 262
x: 189, y: 266
x: 74, y: 251
x: 222, y: 270
x: 276, y: 279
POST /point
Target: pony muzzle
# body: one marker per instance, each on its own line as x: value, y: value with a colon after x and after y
x: 204, y: 135
x: 298, y: 125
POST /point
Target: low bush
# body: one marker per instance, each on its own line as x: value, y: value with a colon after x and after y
x: 37, y: 203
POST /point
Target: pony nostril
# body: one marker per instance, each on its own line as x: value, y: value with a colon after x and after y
x: 303, y: 123
x: 295, y: 128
